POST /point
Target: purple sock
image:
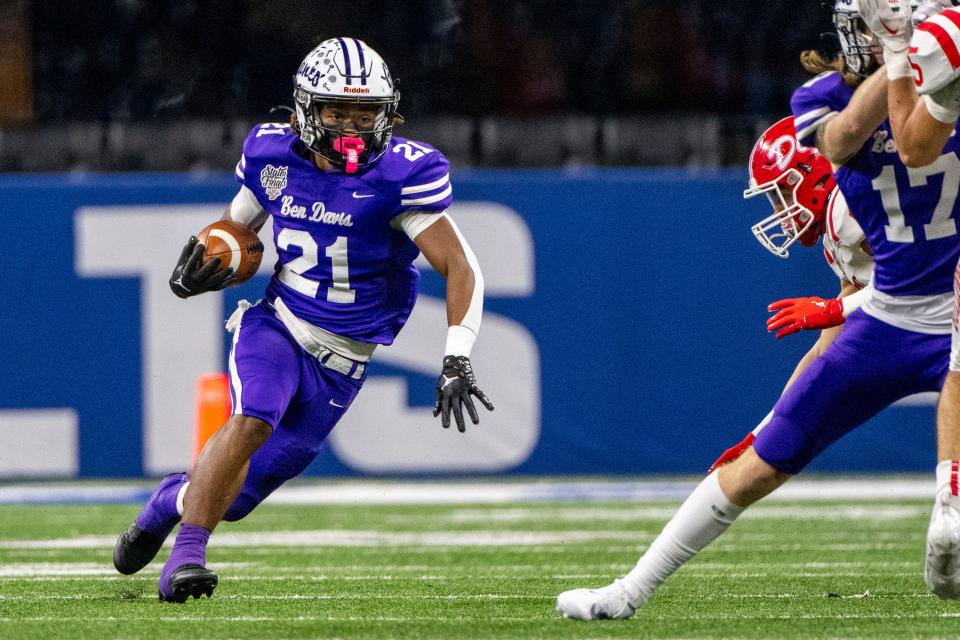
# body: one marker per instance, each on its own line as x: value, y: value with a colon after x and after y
x: 159, y: 515
x: 189, y: 548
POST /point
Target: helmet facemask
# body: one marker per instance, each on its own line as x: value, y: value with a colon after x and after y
x: 861, y: 49
x: 345, y: 150
x: 790, y: 220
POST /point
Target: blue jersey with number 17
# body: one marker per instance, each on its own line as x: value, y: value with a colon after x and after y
x: 909, y: 215
x: 342, y: 265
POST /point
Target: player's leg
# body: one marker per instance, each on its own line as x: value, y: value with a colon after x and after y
x: 706, y: 513
x: 323, y: 398
x: 850, y: 383
x: 942, y: 566
x: 215, y: 482
x: 264, y: 376
x: 221, y: 469
x: 141, y: 542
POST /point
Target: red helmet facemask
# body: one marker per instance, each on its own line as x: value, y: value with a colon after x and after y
x: 797, y: 180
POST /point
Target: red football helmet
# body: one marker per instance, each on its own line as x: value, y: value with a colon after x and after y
x: 797, y: 180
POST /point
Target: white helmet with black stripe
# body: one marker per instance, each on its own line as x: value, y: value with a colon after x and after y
x: 345, y: 71
x: 861, y: 49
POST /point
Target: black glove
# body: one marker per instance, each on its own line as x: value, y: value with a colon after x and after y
x: 455, y: 386
x: 189, y: 278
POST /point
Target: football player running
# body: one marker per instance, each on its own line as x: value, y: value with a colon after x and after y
x: 895, y: 345
x: 807, y: 206
x: 924, y: 97
x: 352, y: 207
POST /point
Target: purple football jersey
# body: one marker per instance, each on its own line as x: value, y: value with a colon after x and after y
x: 907, y: 214
x: 342, y: 266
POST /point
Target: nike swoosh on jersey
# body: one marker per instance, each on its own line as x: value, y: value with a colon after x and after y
x: 362, y: 195
x: 892, y: 32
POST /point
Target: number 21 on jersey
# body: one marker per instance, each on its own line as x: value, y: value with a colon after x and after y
x: 291, y: 273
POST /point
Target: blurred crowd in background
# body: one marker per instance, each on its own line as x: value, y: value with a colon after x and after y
x: 133, y: 61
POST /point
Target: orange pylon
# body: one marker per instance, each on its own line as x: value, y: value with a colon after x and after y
x: 212, y: 408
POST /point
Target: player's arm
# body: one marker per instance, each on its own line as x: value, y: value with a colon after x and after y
x: 841, y: 137
x: 921, y: 126
x: 246, y: 209
x: 447, y: 251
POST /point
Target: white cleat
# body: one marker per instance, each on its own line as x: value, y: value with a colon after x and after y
x: 942, y: 569
x: 613, y: 601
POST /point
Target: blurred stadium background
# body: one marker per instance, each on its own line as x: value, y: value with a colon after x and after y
x: 130, y: 85
x: 599, y: 151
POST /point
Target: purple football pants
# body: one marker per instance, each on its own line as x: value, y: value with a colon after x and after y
x: 274, y: 379
x: 869, y: 366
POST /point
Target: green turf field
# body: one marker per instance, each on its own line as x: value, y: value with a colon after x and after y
x: 785, y: 570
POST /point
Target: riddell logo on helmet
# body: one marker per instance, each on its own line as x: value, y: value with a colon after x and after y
x: 356, y: 90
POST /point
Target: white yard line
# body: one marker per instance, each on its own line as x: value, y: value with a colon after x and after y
x: 363, y: 492
x: 459, y: 619
x: 577, y: 579
x: 486, y: 538
x: 360, y: 538
x: 592, y: 514
x: 299, y: 596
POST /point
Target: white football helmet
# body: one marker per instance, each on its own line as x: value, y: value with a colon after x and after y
x: 347, y: 71
x: 861, y: 49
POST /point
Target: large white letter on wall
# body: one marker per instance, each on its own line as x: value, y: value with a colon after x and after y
x: 38, y: 442
x: 181, y: 338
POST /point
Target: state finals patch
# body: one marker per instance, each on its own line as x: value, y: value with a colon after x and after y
x: 274, y: 180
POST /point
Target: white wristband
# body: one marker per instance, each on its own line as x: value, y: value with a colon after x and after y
x: 898, y: 65
x: 854, y: 301
x: 460, y: 341
x: 939, y: 112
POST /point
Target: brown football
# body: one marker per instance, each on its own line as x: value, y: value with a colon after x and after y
x: 236, y: 245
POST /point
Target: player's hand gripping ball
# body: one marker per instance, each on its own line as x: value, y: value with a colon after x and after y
x: 237, y: 246
x: 221, y: 255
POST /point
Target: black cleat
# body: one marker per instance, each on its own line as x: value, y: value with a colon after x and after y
x: 189, y: 580
x: 135, y: 549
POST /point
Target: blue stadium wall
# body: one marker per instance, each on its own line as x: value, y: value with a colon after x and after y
x: 629, y: 304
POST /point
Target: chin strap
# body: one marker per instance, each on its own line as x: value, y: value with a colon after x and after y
x: 277, y: 108
x: 351, y: 148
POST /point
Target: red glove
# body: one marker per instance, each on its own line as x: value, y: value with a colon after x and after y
x: 794, y: 314
x: 732, y: 453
